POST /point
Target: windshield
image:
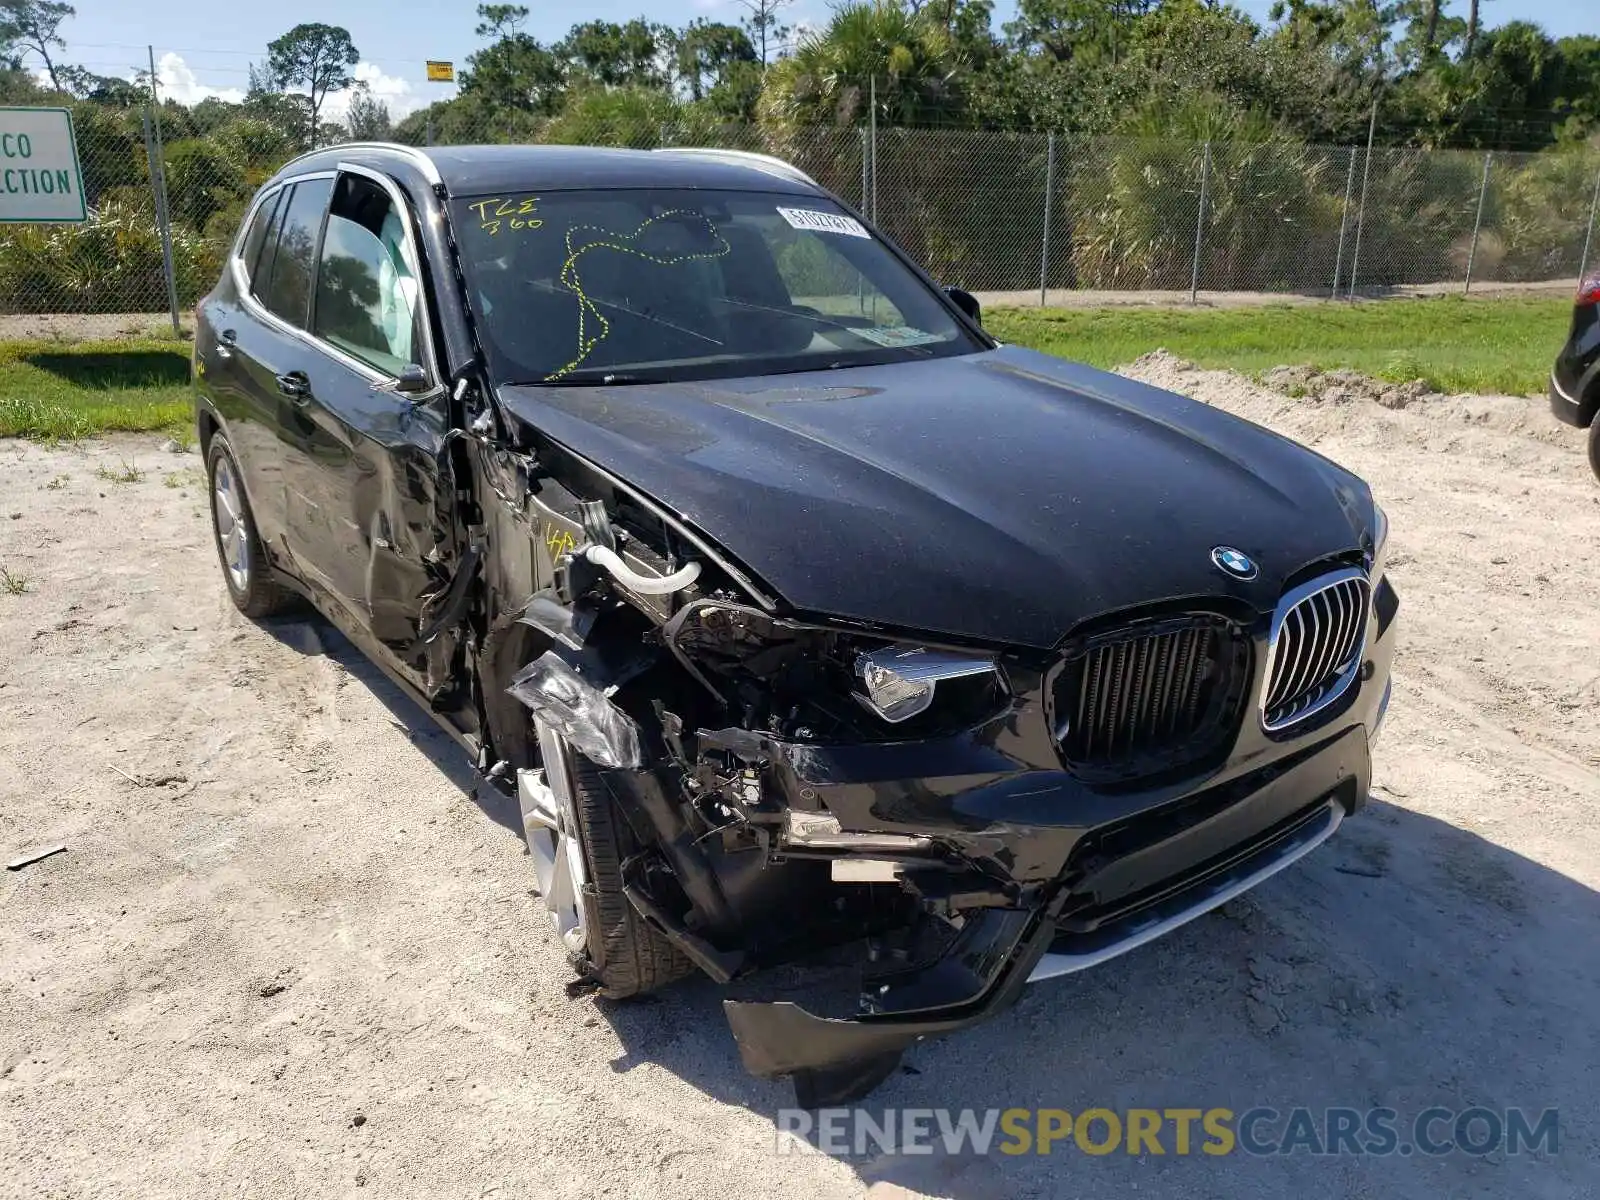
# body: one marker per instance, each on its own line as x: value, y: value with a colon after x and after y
x: 625, y: 286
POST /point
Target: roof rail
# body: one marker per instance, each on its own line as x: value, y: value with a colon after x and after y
x: 748, y: 158
x: 423, y: 163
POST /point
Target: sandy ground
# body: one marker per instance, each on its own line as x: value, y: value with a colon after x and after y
x: 287, y: 954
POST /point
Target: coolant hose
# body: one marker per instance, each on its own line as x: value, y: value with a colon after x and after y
x: 645, y: 585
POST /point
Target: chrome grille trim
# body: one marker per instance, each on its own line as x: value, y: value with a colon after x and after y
x: 1314, y: 651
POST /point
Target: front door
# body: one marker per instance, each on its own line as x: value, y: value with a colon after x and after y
x: 375, y: 499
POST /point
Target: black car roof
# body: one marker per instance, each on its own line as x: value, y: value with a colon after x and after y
x: 481, y: 170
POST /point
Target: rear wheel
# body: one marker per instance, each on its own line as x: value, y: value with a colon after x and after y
x: 579, y: 839
x: 1594, y: 447
x: 244, y: 565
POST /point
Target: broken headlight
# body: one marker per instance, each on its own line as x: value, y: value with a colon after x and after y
x: 898, y: 682
x: 813, y: 681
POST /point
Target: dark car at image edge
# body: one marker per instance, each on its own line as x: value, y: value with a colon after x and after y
x: 1575, y: 379
x: 802, y: 621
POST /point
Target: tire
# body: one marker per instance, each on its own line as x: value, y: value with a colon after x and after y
x: 1594, y: 447
x: 627, y: 956
x: 245, y: 570
x: 578, y: 839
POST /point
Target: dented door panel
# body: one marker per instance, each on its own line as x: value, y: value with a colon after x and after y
x: 374, y: 505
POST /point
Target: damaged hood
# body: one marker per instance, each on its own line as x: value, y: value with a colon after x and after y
x: 1004, y: 496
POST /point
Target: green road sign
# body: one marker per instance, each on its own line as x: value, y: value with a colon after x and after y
x: 40, y: 179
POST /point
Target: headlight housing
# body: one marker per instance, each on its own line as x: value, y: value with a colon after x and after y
x: 898, y: 682
x: 817, y: 682
x: 1380, y: 541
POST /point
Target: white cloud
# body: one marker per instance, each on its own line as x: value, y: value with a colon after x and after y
x: 177, y: 82
x: 397, y: 93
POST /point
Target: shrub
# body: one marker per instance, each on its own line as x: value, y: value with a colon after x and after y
x: 1539, y: 206
x: 201, y: 179
x: 110, y: 263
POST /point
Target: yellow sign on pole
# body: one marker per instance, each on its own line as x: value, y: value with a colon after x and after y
x: 441, y: 72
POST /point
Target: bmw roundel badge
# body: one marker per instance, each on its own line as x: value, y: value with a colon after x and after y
x: 1234, y: 562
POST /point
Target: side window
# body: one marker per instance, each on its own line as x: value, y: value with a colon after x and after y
x: 367, y: 290
x: 287, y: 293
x: 261, y: 275
x: 250, y: 250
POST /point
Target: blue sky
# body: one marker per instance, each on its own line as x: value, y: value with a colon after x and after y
x: 204, y: 48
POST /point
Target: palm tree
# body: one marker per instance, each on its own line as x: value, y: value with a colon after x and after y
x: 906, y: 59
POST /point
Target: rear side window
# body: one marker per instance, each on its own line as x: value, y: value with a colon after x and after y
x: 367, y: 287
x: 257, y: 233
x: 287, y: 293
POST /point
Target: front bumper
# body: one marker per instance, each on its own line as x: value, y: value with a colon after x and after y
x: 1094, y: 872
x: 1219, y: 846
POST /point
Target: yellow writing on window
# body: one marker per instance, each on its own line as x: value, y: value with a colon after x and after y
x: 593, y: 327
x: 516, y: 212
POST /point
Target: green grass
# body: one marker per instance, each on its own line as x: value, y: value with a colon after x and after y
x: 65, y: 391
x: 1457, y: 345
x: 13, y: 585
x: 56, y: 390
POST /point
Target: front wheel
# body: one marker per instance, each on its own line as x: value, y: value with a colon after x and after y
x: 1594, y: 447
x: 579, y: 838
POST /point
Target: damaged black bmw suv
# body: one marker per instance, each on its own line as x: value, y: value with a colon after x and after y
x: 795, y: 612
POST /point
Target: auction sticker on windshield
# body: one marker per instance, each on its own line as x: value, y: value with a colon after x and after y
x: 824, y: 222
x: 897, y: 335
x: 40, y: 179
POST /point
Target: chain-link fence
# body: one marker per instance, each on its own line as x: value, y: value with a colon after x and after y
x: 1020, y: 218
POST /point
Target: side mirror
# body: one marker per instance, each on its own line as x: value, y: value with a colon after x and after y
x: 411, y: 380
x: 967, y: 303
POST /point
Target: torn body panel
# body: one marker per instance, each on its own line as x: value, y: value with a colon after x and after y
x: 954, y: 847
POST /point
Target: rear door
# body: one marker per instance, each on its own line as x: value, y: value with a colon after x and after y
x: 220, y: 372
x: 273, y: 359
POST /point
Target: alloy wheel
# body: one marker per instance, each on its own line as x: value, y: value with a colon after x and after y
x: 550, y: 824
x: 233, y: 534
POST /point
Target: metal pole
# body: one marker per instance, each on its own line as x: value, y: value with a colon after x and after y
x: 1483, y: 192
x: 872, y: 119
x: 865, y: 186
x: 1588, y: 233
x: 1049, y: 195
x: 1344, y: 223
x: 158, y: 185
x: 1200, y: 224
x: 1361, y: 216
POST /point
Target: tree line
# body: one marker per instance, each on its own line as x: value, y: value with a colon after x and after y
x: 1128, y: 73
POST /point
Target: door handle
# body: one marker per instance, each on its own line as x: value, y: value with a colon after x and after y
x: 226, y: 342
x: 295, y: 385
